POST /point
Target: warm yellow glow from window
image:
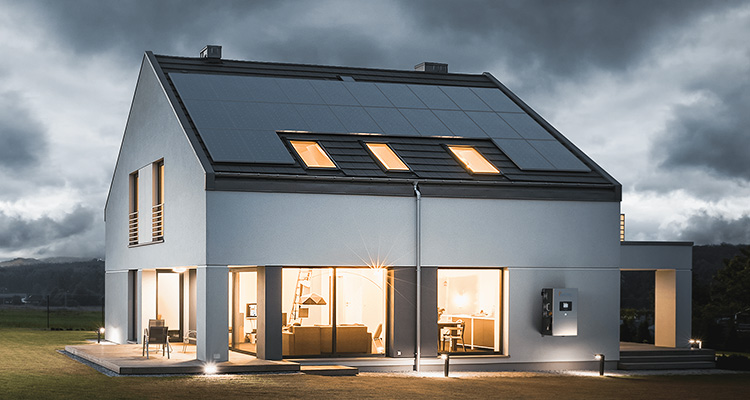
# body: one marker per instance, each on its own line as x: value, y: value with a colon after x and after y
x: 312, y: 154
x: 472, y: 160
x: 387, y: 157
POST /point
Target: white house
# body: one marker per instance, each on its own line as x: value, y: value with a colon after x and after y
x: 417, y: 212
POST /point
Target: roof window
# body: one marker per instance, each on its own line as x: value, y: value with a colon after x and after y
x: 387, y: 157
x: 472, y: 160
x: 312, y: 154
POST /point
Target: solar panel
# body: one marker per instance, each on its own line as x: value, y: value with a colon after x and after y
x: 367, y: 94
x: 245, y: 115
x: 497, y: 100
x: 400, y: 95
x: 299, y: 91
x: 460, y: 123
x: 284, y: 117
x: 246, y: 146
x: 391, y: 121
x: 231, y: 88
x: 263, y: 89
x: 465, y: 98
x: 356, y: 119
x: 559, y: 156
x: 192, y: 86
x: 526, y: 126
x: 433, y: 97
x: 425, y: 122
x: 523, y: 154
x: 493, y: 125
x: 334, y: 93
x: 209, y: 114
x: 320, y: 118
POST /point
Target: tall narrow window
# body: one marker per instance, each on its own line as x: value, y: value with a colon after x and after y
x: 387, y: 157
x: 157, y: 210
x: 312, y: 154
x: 133, y: 209
x: 473, y: 160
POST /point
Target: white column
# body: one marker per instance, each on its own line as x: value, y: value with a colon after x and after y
x: 673, y: 308
x: 213, y: 313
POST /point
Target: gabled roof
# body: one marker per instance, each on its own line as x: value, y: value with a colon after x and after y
x: 241, y: 115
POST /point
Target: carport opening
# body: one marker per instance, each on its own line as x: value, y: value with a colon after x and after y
x: 637, y: 306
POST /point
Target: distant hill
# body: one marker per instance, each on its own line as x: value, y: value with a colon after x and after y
x: 67, y: 281
x: 49, y: 260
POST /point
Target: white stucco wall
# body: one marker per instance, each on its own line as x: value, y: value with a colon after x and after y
x: 309, y: 229
x: 116, y: 306
x: 528, y: 233
x: 598, y: 314
x: 153, y: 133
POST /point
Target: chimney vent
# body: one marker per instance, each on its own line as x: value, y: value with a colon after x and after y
x: 211, y: 51
x: 432, y: 67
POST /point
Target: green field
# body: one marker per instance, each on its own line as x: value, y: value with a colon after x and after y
x: 59, y: 318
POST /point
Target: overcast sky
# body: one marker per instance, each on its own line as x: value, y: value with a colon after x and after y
x: 656, y: 92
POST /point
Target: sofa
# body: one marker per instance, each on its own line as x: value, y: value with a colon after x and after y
x: 317, y: 340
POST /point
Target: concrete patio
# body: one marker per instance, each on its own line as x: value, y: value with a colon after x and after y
x: 127, y: 359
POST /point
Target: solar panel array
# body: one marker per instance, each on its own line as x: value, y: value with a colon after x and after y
x: 237, y: 116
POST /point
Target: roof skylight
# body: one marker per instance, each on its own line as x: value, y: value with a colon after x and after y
x: 312, y: 154
x: 387, y: 157
x: 472, y: 160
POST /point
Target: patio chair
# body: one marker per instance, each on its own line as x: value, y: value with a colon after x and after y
x: 190, y: 338
x: 156, y: 335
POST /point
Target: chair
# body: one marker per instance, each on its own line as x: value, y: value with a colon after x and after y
x: 190, y: 338
x: 156, y: 335
x: 454, y: 334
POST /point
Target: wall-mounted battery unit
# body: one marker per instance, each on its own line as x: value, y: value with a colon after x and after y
x: 560, y: 312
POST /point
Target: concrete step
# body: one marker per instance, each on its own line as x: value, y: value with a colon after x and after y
x: 666, y: 365
x: 329, y: 370
x: 667, y: 352
x: 667, y: 358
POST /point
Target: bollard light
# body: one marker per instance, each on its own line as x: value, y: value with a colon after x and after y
x: 600, y: 357
x: 696, y: 344
x: 99, y: 335
x: 447, y: 360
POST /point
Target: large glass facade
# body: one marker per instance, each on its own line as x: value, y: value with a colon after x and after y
x: 244, y: 311
x: 469, y: 310
x: 317, y: 300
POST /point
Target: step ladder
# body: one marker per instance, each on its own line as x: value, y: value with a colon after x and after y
x: 302, y: 276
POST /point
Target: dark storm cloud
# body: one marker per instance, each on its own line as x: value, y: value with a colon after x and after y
x: 562, y: 38
x: 705, y: 229
x: 133, y: 26
x: 22, y: 137
x: 19, y: 233
x: 712, y: 134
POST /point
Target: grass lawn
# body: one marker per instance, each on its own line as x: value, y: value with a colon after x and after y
x: 31, y: 367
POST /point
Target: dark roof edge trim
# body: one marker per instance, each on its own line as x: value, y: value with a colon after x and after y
x: 190, y: 134
x: 656, y: 243
x: 404, y: 187
x: 559, y: 136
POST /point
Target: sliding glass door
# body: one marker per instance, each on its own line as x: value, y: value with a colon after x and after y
x: 317, y: 300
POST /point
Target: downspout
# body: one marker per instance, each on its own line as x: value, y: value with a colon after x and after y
x: 418, y: 356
